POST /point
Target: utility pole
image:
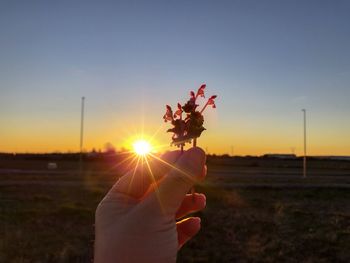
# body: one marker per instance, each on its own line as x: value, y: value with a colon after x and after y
x: 304, y: 160
x: 81, y: 134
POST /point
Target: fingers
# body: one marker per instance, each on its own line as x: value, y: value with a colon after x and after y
x: 173, y: 188
x: 186, y: 229
x: 146, y: 172
x: 190, y: 204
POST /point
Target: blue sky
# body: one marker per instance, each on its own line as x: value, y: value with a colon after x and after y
x: 266, y: 60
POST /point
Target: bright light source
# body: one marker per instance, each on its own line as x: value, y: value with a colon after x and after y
x: 142, y: 147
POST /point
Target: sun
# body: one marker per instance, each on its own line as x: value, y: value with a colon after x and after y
x: 142, y: 147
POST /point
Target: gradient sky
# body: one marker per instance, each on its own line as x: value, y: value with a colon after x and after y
x: 266, y: 60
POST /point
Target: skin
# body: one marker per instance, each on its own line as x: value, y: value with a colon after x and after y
x: 143, y: 217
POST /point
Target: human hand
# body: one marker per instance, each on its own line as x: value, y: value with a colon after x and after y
x: 136, y: 220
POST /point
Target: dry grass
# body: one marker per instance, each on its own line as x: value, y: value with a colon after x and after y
x: 54, y: 223
x: 269, y: 225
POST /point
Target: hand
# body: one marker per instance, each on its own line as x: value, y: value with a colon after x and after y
x: 136, y: 220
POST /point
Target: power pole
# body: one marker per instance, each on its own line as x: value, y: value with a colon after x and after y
x: 304, y: 161
x: 81, y: 134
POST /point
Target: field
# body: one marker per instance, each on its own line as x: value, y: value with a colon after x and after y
x: 258, y: 210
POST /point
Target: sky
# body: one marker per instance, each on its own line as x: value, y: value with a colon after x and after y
x: 266, y: 60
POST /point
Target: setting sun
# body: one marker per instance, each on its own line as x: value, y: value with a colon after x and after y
x: 142, y: 147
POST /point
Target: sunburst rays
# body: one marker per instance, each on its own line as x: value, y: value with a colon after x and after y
x: 144, y: 167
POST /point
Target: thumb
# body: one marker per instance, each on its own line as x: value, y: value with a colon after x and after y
x: 178, y: 181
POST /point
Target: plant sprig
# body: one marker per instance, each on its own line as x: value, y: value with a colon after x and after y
x: 190, y: 127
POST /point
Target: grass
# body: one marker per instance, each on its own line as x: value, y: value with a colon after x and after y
x: 46, y: 224
x: 273, y: 226
x: 54, y: 223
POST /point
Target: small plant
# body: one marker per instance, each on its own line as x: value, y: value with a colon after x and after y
x: 190, y: 126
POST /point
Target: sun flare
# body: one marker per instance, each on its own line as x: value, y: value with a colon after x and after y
x: 142, y: 147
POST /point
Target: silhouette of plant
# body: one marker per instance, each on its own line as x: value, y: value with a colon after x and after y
x: 191, y: 127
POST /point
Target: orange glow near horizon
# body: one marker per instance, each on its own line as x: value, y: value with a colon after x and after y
x: 218, y: 139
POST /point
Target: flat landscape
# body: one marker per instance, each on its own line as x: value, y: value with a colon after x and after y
x: 258, y: 210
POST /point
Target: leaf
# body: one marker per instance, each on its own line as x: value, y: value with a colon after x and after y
x: 190, y: 105
x: 194, y: 124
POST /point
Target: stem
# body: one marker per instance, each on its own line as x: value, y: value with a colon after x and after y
x: 192, y: 189
x: 204, y: 107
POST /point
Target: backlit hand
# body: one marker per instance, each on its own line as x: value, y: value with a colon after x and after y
x: 137, y: 219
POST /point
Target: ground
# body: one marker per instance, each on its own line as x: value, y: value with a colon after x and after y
x: 256, y: 212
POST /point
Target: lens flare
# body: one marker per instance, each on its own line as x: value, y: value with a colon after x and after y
x: 142, y: 147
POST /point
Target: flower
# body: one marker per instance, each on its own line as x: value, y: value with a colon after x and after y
x: 200, y: 91
x: 211, y: 101
x: 168, y: 116
x: 179, y: 111
x: 192, y: 95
